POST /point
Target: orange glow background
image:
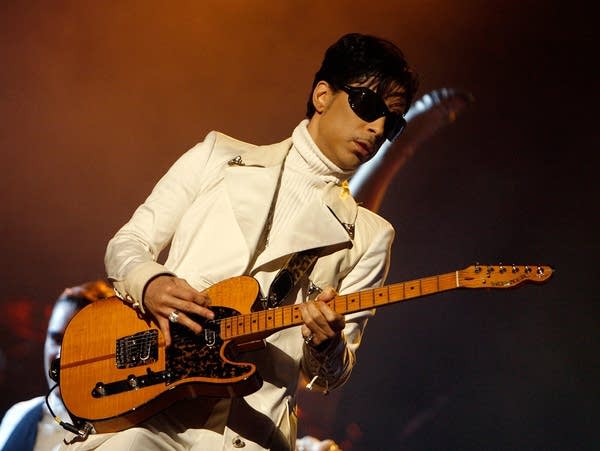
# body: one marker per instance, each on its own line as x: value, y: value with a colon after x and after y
x: 97, y: 99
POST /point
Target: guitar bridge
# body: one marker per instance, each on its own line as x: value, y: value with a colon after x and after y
x: 137, y: 349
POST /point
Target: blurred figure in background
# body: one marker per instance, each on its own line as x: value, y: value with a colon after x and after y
x: 28, y: 425
x: 310, y: 443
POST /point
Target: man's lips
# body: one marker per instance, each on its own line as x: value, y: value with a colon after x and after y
x: 365, y: 147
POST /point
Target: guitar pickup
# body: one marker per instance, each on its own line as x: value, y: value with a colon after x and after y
x: 210, y: 337
x: 137, y: 349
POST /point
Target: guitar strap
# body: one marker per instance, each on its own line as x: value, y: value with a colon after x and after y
x: 287, y: 278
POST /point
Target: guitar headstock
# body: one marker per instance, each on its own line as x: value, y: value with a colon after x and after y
x: 502, y: 276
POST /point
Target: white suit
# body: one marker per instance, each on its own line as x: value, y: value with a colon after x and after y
x: 212, y: 206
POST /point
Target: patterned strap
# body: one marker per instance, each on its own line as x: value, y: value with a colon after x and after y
x: 295, y: 268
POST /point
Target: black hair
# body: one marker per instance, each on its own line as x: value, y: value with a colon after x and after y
x: 356, y: 58
x: 77, y: 300
x: 84, y: 294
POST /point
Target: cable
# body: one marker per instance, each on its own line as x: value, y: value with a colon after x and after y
x: 83, y: 433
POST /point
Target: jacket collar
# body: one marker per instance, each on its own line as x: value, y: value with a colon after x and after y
x: 251, y: 181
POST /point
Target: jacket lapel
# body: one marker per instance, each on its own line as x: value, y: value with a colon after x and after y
x: 251, y: 182
x: 320, y: 223
x: 252, y: 179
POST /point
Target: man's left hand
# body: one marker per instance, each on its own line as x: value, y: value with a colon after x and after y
x: 321, y: 322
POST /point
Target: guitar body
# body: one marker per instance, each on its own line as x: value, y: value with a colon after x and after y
x: 115, y: 370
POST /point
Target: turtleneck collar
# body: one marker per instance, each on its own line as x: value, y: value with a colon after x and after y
x: 310, y: 154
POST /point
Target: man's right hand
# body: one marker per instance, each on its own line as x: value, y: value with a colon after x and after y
x: 167, y: 294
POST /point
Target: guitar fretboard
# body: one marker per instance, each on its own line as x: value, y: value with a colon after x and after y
x: 258, y: 323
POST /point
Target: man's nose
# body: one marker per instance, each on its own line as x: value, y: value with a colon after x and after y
x: 376, y: 127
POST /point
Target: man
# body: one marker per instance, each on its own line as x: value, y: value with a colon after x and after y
x: 228, y: 208
x: 28, y: 425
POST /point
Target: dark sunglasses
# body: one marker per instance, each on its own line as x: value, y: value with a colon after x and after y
x: 368, y: 105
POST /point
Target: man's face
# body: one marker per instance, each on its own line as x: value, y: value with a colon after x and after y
x: 344, y: 138
x: 61, y: 315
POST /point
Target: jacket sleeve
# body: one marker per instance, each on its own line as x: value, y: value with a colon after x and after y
x: 131, y: 255
x: 331, y: 367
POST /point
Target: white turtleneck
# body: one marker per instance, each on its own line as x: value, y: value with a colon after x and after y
x: 306, y: 172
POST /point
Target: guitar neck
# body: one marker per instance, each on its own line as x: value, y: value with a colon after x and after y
x: 251, y: 326
x: 259, y: 324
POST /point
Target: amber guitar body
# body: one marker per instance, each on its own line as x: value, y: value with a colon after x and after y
x: 115, y: 370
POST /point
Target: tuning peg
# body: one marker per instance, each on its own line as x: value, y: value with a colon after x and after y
x: 501, y: 269
x: 540, y: 271
x: 515, y: 269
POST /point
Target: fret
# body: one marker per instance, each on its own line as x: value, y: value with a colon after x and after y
x: 240, y: 325
x: 429, y: 285
x: 366, y: 299
x: 382, y: 295
x: 232, y: 327
x: 247, y: 323
x: 411, y: 289
x: 277, y: 317
x: 296, y: 316
x: 225, y: 329
x: 353, y: 302
x: 262, y: 320
x: 253, y: 320
x: 270, y: 322
x: 339, y: 304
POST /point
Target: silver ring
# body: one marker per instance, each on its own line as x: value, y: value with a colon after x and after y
x: 174, y: 316
x: 308, y: 340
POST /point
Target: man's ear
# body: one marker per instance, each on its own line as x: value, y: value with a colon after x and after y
x: 322, y: 95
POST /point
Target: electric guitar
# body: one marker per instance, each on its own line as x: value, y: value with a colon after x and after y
x: 115, y: 370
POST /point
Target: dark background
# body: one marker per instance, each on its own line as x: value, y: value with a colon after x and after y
x: 97, y: 99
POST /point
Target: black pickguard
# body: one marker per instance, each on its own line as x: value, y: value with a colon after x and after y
x: 192, y: 355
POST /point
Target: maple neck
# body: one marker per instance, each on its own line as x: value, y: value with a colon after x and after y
x: 250, y: 326
x: 265, y: 322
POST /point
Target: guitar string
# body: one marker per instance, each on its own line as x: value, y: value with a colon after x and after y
x: 248, y: 319
x: 254, y: 317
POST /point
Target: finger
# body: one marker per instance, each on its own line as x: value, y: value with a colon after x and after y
x: 307, y: 335
x: 318, y: 311
x: 327, y: 294
x: 182, y: 290
x: 190, y: 300
x: 176, y: 299
x: 333, y: 318
x: 192, y: 308
x: 163, y: 324
x: 316, y: 322
x: 305, y: 331
x: 183, y: 320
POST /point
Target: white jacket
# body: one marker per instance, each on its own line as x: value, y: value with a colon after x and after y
x: 211, y: 207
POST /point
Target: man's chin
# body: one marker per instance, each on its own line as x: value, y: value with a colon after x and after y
x: 352, y: 166
x: 362, y: 159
